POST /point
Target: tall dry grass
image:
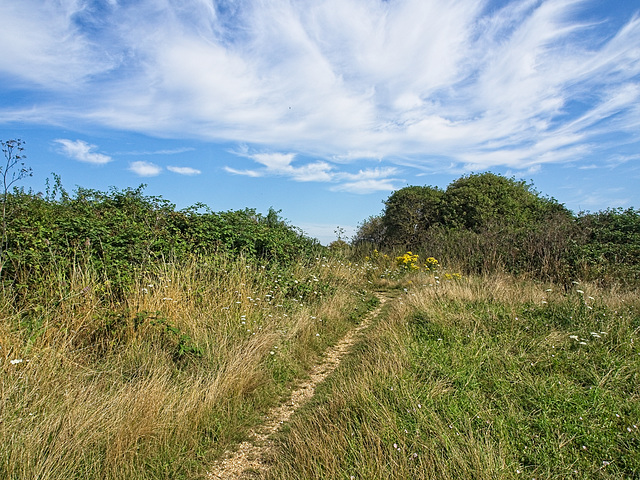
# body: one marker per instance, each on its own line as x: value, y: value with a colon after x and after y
x: 159, y: 384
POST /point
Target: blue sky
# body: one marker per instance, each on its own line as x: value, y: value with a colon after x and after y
x: 322, y: 108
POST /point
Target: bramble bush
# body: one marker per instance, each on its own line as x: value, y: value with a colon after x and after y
x: 121, y: 232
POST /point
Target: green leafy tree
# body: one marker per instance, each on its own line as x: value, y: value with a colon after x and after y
x: 479, y: 201
x: 371, y: 233
x: 482, y: 222
x: 409, y: 213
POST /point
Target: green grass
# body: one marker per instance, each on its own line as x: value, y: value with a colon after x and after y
x: 481, y: 379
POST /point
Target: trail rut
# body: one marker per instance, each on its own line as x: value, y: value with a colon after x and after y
x: 248, y: 460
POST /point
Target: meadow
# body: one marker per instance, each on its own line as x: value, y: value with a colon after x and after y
x: 138, y: 341
x: 480, y: 377
x: 160, y: 383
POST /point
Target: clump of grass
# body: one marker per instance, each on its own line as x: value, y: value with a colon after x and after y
x: 481, y: 378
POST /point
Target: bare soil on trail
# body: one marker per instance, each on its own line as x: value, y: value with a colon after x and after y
x: 249, y: 460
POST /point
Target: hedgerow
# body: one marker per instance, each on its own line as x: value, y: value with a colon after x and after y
x: 120, y: 232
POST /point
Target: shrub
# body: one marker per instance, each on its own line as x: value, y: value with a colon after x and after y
x: 123, y: 231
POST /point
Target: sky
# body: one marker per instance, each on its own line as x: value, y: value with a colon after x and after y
x: 322, y: 108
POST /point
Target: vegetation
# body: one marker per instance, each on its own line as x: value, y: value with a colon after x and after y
x: 487, y: 223
x: 158, y: 383
x: 118, y: 234
x: 140, y: 341
x: 609, y: 248
x: 480, y: 378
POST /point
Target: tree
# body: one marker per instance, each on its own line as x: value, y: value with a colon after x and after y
x: 479, y: 201
x: 13, y: 171
x: 409, y: 213
x: 371, y: 232
x: 482, y: 221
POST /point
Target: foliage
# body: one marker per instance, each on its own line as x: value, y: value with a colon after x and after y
x: 609, y: 247
x: 371, y: 232
x: 484, y: 201
x: 409, y: 213
x: 120, y: 232
x: 487, y: 223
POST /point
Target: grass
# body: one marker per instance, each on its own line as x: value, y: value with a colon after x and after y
x: 480, y: 378
x: 483, y: 377
x: 160, y: 384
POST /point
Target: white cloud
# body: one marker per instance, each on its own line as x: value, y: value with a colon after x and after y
x: 274, y: 161
x: 43, y: 45
x: 248, y: 173
x: 82, y: 151
x: 184, y: 170
x: 366, y: 186
x: 281, y: 164
x: 458, y: 83
x: 368, y: 181
x: 145, y: 169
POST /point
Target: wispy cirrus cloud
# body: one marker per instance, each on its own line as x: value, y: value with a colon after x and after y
x: 247, y: 173
x: 43, y: 46
x: 189, y: 171
x: 452, y: 84
x: 280, y: 164
x: 368, y: 185
x: 368, y: 181
x: 81, y: 151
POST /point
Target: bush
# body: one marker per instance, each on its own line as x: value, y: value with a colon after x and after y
x: 608, y: 249
x: 123, y: 231
x: 482, y: 223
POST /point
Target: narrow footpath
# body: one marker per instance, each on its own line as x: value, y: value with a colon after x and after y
x: 248, y: 460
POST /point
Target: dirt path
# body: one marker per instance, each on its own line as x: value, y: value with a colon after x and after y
x: 247, y: 461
